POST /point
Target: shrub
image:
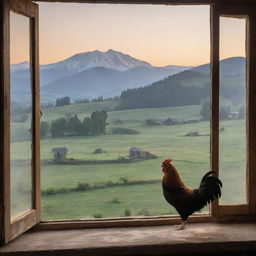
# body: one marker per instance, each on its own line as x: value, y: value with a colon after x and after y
x: 115, y: 200
x: 120, y: 130
x: 127, y: 212
x: 124, y: 180
x: 82, y: 186
x: 97, y: 215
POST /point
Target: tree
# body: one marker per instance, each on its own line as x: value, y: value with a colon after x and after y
x: 44, y: 129
x: 62, y: 101
x: 205, y: 111
x: 58, y: 127
x: 98, y: 122
x: 73, y: 126
x: 86, y: 126
x: 224, y: 112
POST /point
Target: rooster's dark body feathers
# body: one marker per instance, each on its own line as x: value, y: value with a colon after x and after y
x: 185, y: 200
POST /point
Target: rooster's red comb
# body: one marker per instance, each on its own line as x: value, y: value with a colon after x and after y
x: 167, y: 161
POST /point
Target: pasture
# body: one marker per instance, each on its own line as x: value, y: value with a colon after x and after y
x: 191, y: 156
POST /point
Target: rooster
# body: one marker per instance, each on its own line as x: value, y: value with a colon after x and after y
x: 186, y: 200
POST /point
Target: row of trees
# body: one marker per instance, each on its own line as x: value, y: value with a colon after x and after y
x: 224, y: 113
x: 66, y: 101
x: 62, y: 101
x: 73, y: 126
x: 168, y: 92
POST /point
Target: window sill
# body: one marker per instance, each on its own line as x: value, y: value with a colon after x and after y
x: 158, y: 240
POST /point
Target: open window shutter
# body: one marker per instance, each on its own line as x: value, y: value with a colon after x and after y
x: 20, y: 163
x: 244, y: 12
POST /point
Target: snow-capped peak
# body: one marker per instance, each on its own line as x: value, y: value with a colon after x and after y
x: 109, y: 59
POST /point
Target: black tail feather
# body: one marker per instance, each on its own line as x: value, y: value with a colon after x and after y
x: 209, y: 189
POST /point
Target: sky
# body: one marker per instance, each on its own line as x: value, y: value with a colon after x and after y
x: 161, y: 35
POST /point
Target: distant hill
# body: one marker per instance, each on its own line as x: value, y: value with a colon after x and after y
x: 234, y: 66
x: 100, y: 81
x: 111, y: 73
x: 189, y: 87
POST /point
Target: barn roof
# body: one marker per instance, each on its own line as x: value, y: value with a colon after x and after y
x: 60, y: 150
x: 134, y: 149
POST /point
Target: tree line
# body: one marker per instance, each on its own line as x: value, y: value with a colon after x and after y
x: 168, y: 92
x: 62, y: 101
x: 224, y: 111
x: 67, y: 101
x: 71, y: 125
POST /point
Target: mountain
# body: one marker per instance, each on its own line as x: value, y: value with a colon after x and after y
x: 234, y: 66
x: 19, y: 66
x: 91, y: 74
x: 110, y: 59
x: 190, y: 87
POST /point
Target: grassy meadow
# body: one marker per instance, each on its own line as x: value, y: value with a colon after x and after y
x: 191, y: 156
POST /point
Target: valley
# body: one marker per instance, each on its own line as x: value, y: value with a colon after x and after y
x: 85, y: 184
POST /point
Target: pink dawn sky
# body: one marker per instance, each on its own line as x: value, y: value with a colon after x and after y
x: 161, y: 35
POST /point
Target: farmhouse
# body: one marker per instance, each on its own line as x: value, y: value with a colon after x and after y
x: 136, y: 153
x: 59, y: 153
x: 168, y: 121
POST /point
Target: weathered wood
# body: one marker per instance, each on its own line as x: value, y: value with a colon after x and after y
x: 11, y: 230
x: 215, y: 98
x: 36, y: 112
x: 251, y: 111
x: 234, y: 11
x: 120, y: 222
x: 2, y: 26
x: 24, y: 7
x: 228, y: 212
x: 22, y: 223
x: 225, y: 210
x: 165, y: 2
x: 5, y: 131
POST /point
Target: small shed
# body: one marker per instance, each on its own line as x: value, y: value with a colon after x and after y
x: 168, y: 121
x: 59, y: 153
x: 134, y: 153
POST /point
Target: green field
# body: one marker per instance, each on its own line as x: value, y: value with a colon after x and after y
x: 191, y: 157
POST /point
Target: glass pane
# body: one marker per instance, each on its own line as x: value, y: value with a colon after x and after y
x: 120, y: 96
x: 232, y: 110
x: 21, y: 115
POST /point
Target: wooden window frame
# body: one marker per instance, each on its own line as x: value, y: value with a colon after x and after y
x: 217, y: 213
x: 235, y: 12
x: 11, y: 228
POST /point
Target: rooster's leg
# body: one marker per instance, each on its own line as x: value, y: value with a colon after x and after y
x: 180, y: 227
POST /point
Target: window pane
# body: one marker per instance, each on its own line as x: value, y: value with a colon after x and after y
x: 233, y: 110
x: 125, y: 91
x: 20, y: 107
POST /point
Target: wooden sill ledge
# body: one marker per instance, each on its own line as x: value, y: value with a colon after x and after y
x: 157, y: 240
